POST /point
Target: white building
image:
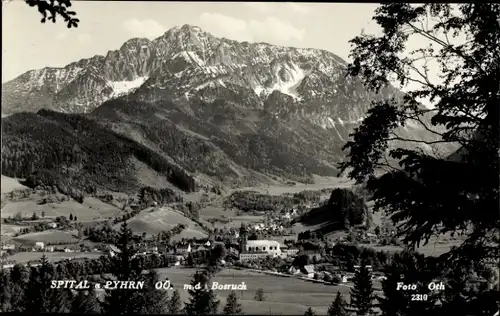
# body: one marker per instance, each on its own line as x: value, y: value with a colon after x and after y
x: 39, y: 245
x: 308, y: 270
x: 272, y: 247
x: 8, y: 247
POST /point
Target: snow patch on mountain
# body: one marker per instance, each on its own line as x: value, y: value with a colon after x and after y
x: 288, y: 86
x: 124, y: 87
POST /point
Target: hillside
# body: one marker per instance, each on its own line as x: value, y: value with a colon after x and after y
x: 10, y: 184
x: 155, y: 220
x: 79, y: 154
x: 343, y: 210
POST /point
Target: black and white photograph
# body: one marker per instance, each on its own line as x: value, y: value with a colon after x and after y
x: 250, y: 158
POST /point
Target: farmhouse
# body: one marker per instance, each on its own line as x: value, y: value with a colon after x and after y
x: 184, y: 249
x: 293, y: 270
x: 308, y: 270
x: 39, y: 245
x: 26, y: 248
x: 8, y: 247
x: 112, y: 250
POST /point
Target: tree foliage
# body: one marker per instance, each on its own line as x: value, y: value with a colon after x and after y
x: 123, y: 301
x: 362, y: 291
x: 233, y: 307
x: 433, y: 193
x: 53, y: 8
x: 174, y: 303
x: 203, y: 300
x: 338, y: 307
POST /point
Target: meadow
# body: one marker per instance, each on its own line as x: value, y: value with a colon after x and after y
x: 51, y: 236
x: 89, y: 210
x: 283, y: 295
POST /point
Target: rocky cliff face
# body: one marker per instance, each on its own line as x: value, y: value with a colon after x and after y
x: 187, y: 61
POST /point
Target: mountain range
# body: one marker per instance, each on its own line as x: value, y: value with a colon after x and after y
x: 186, y: 109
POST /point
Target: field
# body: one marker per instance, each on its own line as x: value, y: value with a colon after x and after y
x: 51, y: 236
x: 155, y: 220
x: 320, y: 183
x: 23, y: 257
x: 284, y: 295
x: 89, y: 210
x: 9, y: 230
x: 10, y: 184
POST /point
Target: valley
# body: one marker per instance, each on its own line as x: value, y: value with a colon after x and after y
x: 189, y: 152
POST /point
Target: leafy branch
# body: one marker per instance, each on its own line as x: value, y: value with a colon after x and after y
x: 52, y: 8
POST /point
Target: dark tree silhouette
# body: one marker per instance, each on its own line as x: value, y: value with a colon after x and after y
x: 309, y: 312
x: 362, y: 292
x: 154, y: 301
x: 203, y: 300
x: 338, y: 307
x: 5, y: 293
x: 18, y: 280
x: 233, y: 307
x: 53, y: 8
x: 259, y: 295
x: 455, y: 188
x: 40, y: 298
x: 86, y: 302
x: 123, y: 268
x: 174, y: 303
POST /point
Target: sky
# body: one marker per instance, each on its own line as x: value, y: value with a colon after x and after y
x: 106, y: 25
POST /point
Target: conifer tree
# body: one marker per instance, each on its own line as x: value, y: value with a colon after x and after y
x: 174, y: 303
x: 203, y: 299
x: 259, y: 295
x: 338, y: 306
x: 40, y: 298
x: 154, y: 301
x: 86, y: 302
x: 309, y: 312
x: 123, y: 268
x: 5, y: 292
x: 362, y: 292
x: 17, y: 285
x: 233, y: 307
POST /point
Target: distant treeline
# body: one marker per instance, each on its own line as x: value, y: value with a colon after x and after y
x: 255, y: 201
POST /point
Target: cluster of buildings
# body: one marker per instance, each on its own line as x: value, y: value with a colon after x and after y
x: 37, y: 246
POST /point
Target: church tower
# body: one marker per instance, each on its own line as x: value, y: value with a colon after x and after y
x: 243, y: 237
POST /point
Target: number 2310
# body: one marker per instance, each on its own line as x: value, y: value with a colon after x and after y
x: 419, y: 297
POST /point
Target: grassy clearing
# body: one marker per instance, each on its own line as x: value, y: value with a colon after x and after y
x: 155, y: 220
x: 90, y: 209
x: 216, y: 212
x: 10, y: 184
x: 48, y: 237
x: 9, y: 230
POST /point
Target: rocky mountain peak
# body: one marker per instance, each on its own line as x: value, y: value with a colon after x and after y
x: 188, y: 62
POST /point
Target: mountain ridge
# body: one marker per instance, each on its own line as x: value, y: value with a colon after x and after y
x: 207, y: 110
